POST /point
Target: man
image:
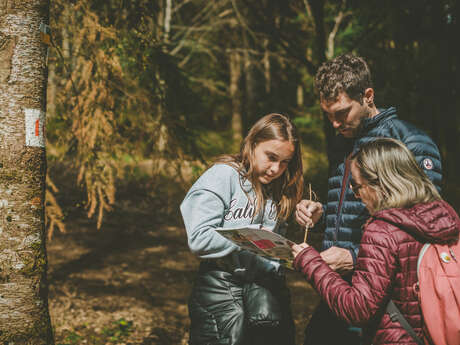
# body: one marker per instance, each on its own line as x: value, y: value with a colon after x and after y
x: 347, y: 99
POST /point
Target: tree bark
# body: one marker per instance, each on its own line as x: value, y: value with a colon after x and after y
x: 23, y: 262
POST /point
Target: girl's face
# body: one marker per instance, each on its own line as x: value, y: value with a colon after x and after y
x: 362, y: 190
x: 271, y: 159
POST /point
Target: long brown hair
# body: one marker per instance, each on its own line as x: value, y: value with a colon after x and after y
x: 387, y: 166
x: 286, y: 190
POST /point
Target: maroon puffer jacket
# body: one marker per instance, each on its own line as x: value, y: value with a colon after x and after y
x: 386, y: 269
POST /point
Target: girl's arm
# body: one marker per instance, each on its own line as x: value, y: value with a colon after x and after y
x: 376, y: 266
x: 203, y: 211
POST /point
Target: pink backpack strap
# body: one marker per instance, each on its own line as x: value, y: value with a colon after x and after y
x: 420, y: 256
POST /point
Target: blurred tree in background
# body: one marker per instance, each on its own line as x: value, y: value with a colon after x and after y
x: 176, y: 82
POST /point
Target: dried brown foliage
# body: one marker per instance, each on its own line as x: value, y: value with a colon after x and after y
x: 53, y: 216
x: 91, y: 77
x: 104, y: 108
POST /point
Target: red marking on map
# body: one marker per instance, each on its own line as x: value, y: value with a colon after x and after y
x: 264, y: 244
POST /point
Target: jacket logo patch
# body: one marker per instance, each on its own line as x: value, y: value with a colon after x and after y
x: 428, y: 164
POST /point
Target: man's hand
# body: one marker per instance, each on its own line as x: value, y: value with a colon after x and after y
x: 308, y: 212
x: 338, y: 259
x: 297, y: 248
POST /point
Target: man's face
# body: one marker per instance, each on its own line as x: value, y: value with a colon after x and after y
x: 346, y: 114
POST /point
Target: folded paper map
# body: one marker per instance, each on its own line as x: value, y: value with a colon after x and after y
x: 261, y: 241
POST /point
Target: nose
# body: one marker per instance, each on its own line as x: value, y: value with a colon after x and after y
x: 274, y: 168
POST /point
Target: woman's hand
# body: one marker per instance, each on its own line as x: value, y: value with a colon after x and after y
x: 297, y: 248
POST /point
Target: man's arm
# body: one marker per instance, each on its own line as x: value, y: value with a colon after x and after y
x: 427, y: 155
x: 308, y: 212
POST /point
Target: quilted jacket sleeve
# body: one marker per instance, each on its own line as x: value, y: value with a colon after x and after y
x: 427, y: 155
x: 359, y: 301
x: 423, y: 148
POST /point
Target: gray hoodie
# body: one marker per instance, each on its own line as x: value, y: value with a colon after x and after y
x: 218, y: 199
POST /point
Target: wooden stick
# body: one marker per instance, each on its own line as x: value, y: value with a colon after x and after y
x: 306, y: 226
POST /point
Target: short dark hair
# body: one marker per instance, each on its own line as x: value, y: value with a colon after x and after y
x: 345, y: 73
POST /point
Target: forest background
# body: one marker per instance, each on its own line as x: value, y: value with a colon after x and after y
x: 143, y: 94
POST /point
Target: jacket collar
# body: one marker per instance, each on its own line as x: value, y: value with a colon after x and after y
x: 382, y: 116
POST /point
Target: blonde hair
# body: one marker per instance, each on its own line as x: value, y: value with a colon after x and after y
x: 286, y: 190
x: 387, y: 166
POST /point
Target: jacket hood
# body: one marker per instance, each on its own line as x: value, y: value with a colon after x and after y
x: 434, y: 222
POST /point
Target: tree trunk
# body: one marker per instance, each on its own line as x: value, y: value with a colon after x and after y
x: 267, y: 71
x: 250, y: 114
x: 65, y: 33
x: 316, y: 8
x: 23, y: 262
x: 299, y: 95
x: 167, y: 25
x: 236, y: 97
x: 449, y: 88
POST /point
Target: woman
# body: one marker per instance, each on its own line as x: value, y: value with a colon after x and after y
x: 239, y: 297
x: 406, y: 212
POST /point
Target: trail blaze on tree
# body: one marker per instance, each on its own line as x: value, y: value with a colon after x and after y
x: 23, y: 286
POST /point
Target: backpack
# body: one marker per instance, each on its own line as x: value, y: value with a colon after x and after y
x: 438, y: 289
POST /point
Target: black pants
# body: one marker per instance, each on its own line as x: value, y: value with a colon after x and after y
x: 225, y: 310
x: 325, y: 328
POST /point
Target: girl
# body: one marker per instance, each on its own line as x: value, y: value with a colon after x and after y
x: 239, y: 297
x: 406, y: 212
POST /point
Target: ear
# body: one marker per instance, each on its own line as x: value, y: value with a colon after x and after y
x: 369, y: 96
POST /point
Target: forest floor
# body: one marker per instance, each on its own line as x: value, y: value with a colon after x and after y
x: 128, y: 282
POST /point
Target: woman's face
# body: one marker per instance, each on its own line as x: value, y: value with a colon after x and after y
x: 362, y: 190
x: 271, y: 159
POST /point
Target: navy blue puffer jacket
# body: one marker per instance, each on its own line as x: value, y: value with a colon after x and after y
x: 344, y: 220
